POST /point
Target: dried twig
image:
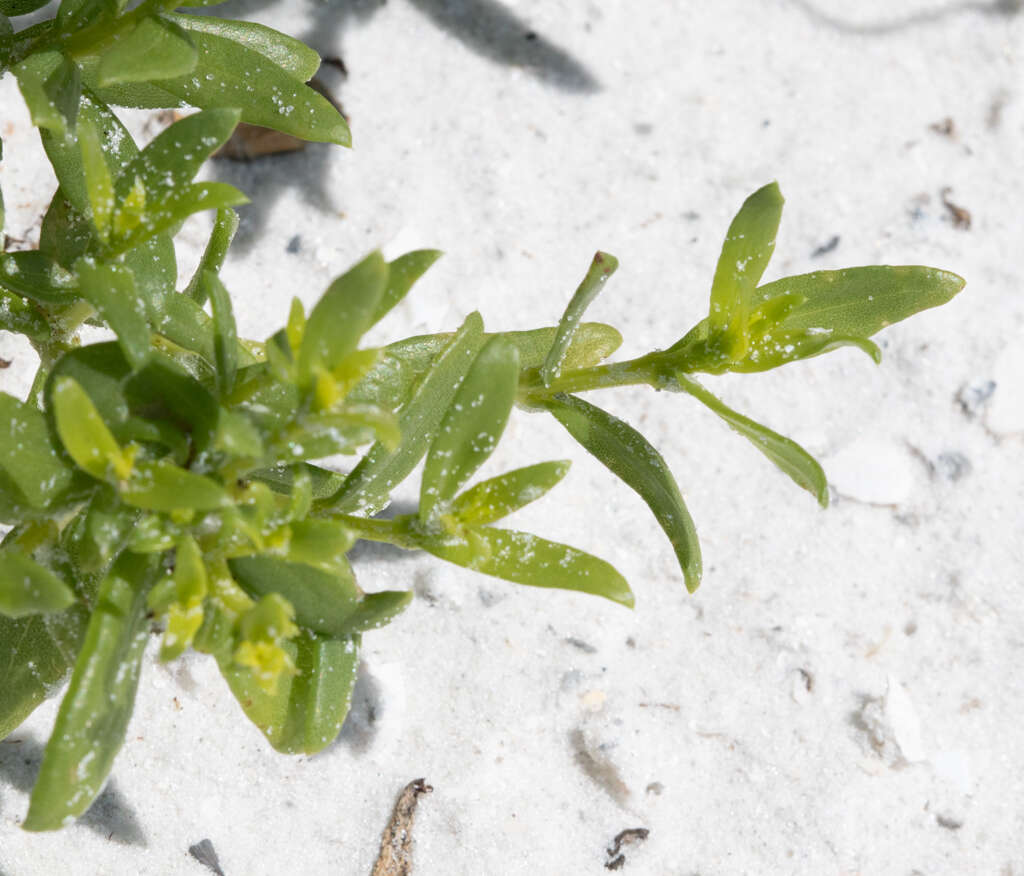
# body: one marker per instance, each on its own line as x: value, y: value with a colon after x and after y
x: 395, y: 858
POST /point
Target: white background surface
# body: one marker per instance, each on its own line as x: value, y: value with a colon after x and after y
x: 843, y: 695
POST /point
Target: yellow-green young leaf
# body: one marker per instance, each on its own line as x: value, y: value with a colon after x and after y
x: 320, y: 543
x: 306, y: 711
x: 601, y: 268
x: 98, y: 184
x: 858, y: 302
x: 629, y: 456
x: 779, y: 347
x: 528, y: 559
x: 368, y: 486
x: 403, y: 272
x: 224, y: 228
x: 28, y: 453
x: 498, y: 497
x: 84, y: 434
x: 323, y: 601
x: 748, y: 247
x: 263, y: 630
x: 340, y: 317
x: 110, y: 288
x: 789, y: 456
x: 163, y: 486
x: 94, y: 714
x: 472, y: 425
x: 26, y: 587
x: 154, y: 49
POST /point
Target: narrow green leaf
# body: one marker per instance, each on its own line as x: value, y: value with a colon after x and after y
x: 368, y: 486
x: 341, y: 316
x: 376, y: 610
x: 84, y: 434
x: 629, y: 456
x: 111, y: 290
x: 100, y: 369
x: 17, y: 315
x: 282, y: 479
x: 155, y: 268
x: 155, y: 48
x: 472, y: 425
x: 291, y: 55
x: 188, y: 326
x: 224, y: 228
x: 780, y: 347
x: 34, y: 275
x: 164, y: 390
x: 858, y: 302
x: 29, y: 455
x: 51, y: 86
x: 94, y: 714
x: 789, y: 456
x: 601, y: 268
x: 528, y: 559
x: 163, y: 486
x: 403, y: 272
x: 98, y: 185
x: 748, y: 247
x: 305, y: 713
x: 27, y: 588
x: 225, y: 334
x: 498, y: 497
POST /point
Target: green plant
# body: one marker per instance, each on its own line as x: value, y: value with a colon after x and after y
x: 169, y: 477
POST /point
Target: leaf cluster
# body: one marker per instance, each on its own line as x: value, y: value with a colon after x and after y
x: 181, y: 477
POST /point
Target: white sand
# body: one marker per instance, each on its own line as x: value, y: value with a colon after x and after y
x: 843, y: 695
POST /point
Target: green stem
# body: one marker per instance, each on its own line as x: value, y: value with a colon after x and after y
x: 372, y: 529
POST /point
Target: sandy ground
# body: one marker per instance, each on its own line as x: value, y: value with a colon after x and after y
x: 843, y: 695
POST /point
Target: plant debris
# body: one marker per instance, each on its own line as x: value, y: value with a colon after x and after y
x: 630, y: 836
x: 826, y: 247
x: 960, y: 216
x: 395, y: 858
x: 205, y: 854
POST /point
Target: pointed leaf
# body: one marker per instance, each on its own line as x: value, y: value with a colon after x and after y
x: 27, y: 588
x: 50, y: 83
x: 94, y: 714
x: 528, y: 559
x: 305, y: 713
x: 84, y: 434
x: 368, y: 486
x: 403, y: 272
x: 789, y: 456
x: 748, y: 247
x: 601, y: 268
x: 98, y: 185
x: 17, y: 315
x: 225, y: 334
x: 472, y: 425
x: 224, y: 228
x: 36, y: 276
x: 155, y: 49
x: 629, y: 456
x: 498, y: 497
x: 376, y: 610
x: 341, y: 316
x: 163, y: 486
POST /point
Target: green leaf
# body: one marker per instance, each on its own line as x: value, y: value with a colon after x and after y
x: 100, y: 370
x: 858, y: 302
x: 27, y: 588
x: 84, y: 434
x: 498, y: 497
x: 629, y: 456
x: 14, y: 8
x: 472, y: 425
x: 163, y: 486
x: 78, y: 14
x: 94, y: 714
x: 403, y: 272
x: 101, y: 531
x: 779, y: 347
x: 376, y: 610
x: 164, y: 390
x: 225, y: 334
x: 341, y: 317
x: 28, y: 454
x: 368, y: 486
x: 789, y: 456
x: 601, y: 268
x: 748, y: 247
x: 528, y: 559
x: 17, y: 315
x: 34, y: 275
x: 50, y: 83
x: 155, y: 268
x: 282, y: 479
x: 188, y: 326
x: 324, y: 601
x: 224, y: 228
x: 111, y: 290
x: 154, y: 49
x: 291, y: 55
x: 98, y: 185
x: 305, y: 713
x: 35, y: 655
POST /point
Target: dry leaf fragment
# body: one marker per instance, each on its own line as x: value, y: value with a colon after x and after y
x: 395, y: 858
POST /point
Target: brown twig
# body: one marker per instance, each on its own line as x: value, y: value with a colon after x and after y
x: 395, y: 858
